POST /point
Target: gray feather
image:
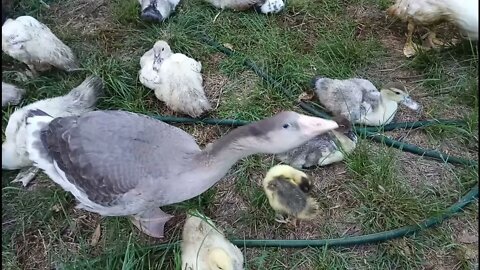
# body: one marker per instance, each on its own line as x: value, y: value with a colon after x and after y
x: 289, y: 195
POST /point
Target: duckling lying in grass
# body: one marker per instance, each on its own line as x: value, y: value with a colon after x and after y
x: 157, y: 10
x: 11, y: 95
x: 80, y: 99
x: 175, y: 78
x: 287, y: 190
x: 360, y: 102
x: 31, y: 42
x: 430, y: 13
x: 263, y: 6
x: 205, y: 247
x: 324, y: 149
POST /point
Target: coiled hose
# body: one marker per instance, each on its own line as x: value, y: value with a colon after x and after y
x: 369, y: 132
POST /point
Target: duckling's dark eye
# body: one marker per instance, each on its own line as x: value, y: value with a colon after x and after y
x: 398, y: 93
x: 163, y: 49
x: 286, y: 126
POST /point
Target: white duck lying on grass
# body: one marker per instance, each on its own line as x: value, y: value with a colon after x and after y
x: 263, y: 6
x: 205, y: 247
x: 11, y: 94
x: 430, y: 13
x: 175, y: 78
x: 359, y: 101
x: 14, y: 150
x: 31, y: 42
x: 118, y: 163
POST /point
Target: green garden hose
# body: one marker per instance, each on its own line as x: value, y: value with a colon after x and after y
x: 365, y: 239
x: 468, y: 198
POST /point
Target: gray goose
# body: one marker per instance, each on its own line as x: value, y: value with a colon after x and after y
x: 118, y: 163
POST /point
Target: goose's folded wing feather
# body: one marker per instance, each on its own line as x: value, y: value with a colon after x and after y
x: 108, y: 154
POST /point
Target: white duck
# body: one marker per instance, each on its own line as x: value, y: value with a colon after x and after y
x: 175, y: 78
x: 14, y: 152
x: 157, y: 10
x: 205, y: 247
x: 429, y: 13
x: 263, y: 6
x: 11, y: 94
x: 359, y: 101
x: 31, y: 42
x: 324, y: 149
x: 152, y: 164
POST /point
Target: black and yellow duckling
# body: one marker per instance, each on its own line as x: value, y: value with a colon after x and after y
x: 287, y: 190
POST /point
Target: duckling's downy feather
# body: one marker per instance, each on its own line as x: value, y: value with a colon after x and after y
x: 11, y: 94
x: 79, y: 100
x: 349, y: 98
x: 32, y: 43
x: 200, y: 236
x: 181, y: 85
x: 288, y: 193
x: 322, y: 150
x: 282, y: 185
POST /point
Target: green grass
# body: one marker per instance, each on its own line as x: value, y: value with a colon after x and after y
x: 374, y: 190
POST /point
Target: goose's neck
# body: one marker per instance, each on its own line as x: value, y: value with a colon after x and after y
x: 212, y: 163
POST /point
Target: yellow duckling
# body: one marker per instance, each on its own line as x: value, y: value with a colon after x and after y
x: 204, y: 247
x: 287, y: 191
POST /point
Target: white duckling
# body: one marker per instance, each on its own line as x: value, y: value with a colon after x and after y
x: 14, y: 153
x: 324, y: 149
x: 287, y: 190
x: 31, y: 42
x: 430, y: 13
x: 175, y: 78
x: 263, y: 6
x: 359, y: 101
x: 11, y: 94
x: 205, y: 247
x: 157, y: 10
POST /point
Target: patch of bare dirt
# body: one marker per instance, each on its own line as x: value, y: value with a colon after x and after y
x: 32, y: 250
x: 84, y: 16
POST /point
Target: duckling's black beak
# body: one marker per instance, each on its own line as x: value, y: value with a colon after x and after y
x: 152, y: 14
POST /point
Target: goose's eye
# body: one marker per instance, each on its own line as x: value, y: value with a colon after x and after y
x: 398, y: 93
x: 286, y: 126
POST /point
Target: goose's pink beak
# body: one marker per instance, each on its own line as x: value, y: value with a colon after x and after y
x: 314, y: 126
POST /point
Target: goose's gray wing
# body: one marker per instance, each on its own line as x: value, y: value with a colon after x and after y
x: 110, y: 153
